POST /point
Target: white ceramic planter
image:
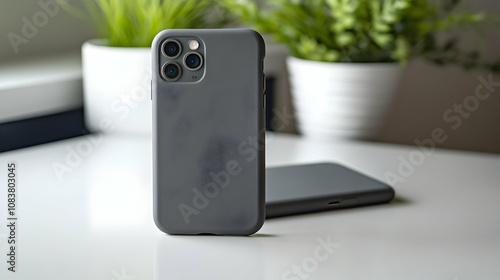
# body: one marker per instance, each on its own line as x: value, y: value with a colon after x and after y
x: 341, y: 100
x: 116, y: 83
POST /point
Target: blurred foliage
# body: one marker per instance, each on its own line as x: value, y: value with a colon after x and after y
x: 134, y: 23
x: 366, y: 30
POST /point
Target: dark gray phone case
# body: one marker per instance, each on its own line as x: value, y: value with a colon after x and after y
x: 208, y: 146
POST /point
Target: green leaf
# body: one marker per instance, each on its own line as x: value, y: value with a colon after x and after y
x: 364, y: 30
x: 135, y: 23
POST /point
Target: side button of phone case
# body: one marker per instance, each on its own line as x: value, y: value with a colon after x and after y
x: 264, y: 91
x: 264, y: 82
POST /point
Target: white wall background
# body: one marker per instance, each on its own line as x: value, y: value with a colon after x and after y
x: 61, y: 33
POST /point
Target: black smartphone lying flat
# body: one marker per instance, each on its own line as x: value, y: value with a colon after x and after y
x: 308, y: 188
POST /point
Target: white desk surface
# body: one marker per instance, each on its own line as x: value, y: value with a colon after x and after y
x: 97, y: 223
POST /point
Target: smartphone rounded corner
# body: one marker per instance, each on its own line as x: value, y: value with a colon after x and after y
x: 158, y: 38
x: 260, y: 42
x: 159, y: 224
x: 259, y: 223
x: 391, y: 193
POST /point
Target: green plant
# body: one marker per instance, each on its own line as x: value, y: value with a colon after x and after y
x: 364, y: 30
x: 134, y: 23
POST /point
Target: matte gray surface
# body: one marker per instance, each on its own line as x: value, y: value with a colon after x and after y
x: 323, y: 186
x: 198, y: 128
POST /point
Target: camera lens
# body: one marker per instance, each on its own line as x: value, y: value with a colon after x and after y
x: 171, y: 48
x: 171, y: 71
x: 193, y: 61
